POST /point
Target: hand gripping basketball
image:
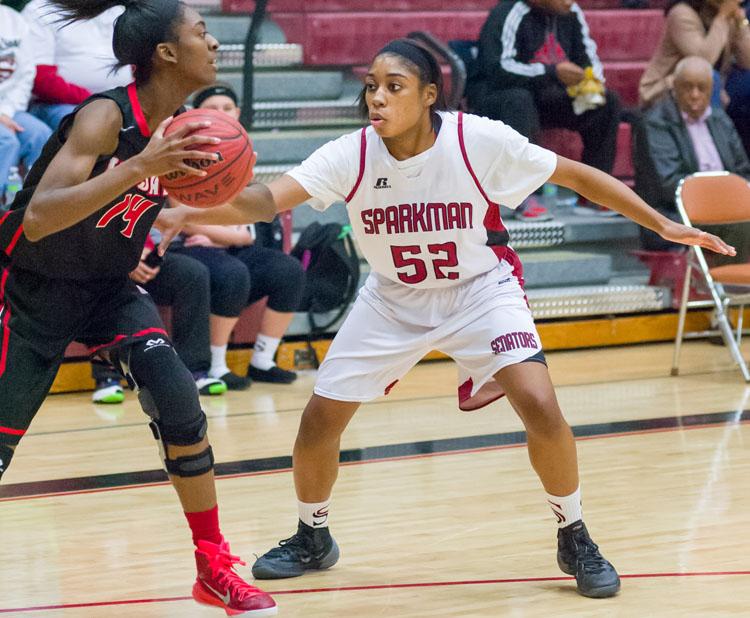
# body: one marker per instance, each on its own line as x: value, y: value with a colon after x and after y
x: 219, y: 162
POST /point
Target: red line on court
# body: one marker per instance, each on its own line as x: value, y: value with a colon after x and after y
x: 469, y: 582
x: 482, y: 449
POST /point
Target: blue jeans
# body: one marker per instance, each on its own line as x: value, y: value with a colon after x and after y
x: 738, y: 89
x: 51, y: 113
x: 716, y: 92
x: 21, y: 147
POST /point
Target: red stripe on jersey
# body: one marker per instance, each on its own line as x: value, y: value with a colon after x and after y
x: 362, y: 151
x: 138, y: 111
x: 12, y: 432
x: 492, y: 220
x: 120, y: 338
x: 5, y: 312
x: 14, y: 240
x: 8, y: 230
x: 471, y: 169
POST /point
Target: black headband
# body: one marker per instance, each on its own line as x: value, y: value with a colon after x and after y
x: 414, y: 53
x: 213, y: 91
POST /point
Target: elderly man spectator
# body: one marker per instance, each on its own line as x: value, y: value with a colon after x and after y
x: 682, y: 134
x: 72, y: 62
x: 530, y: 52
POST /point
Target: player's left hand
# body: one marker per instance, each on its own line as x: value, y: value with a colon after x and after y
x: 676, y: 232
x: 170, y: 222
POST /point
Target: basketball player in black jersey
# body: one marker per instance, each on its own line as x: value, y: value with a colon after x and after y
x: 75, y: 232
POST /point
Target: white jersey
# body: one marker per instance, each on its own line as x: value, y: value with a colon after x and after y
x: 433, y: 220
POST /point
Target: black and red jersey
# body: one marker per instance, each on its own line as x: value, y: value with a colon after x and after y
x: 108, y: 243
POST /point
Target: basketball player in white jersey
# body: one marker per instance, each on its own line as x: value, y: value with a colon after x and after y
x: 422, y: 188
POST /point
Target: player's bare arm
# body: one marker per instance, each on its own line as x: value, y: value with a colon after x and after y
x: 258, y: 202
x: 603, y: 189
x: 66, y: 194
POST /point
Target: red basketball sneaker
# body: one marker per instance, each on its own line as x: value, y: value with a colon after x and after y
x: 218, y: 584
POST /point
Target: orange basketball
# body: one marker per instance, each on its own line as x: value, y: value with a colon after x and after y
x: 227, y: 176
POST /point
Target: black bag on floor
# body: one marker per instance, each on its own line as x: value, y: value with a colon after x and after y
x: 331, y: 266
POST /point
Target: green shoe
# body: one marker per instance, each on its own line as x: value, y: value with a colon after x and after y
x: 210, y: 386
x: 108, y: 391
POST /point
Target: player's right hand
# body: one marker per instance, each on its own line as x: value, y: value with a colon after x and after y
x: 164, y: 154
x: 686, y: 235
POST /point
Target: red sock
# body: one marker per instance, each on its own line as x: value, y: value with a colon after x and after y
x: 205, y: 526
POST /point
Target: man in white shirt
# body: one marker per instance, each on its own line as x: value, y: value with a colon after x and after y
x: 22, y: 136
x: 72, y: 62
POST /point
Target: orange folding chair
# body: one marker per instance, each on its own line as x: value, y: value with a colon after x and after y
x: 709, y: 198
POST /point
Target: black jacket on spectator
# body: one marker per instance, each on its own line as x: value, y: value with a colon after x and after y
x: 517, y: 82
x: 663, y: 154
x: 518, y: 45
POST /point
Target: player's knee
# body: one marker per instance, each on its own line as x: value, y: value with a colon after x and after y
x: 321, y: 423
x: 540, y: 412
x: 167, y: 393
x: 545, y: 421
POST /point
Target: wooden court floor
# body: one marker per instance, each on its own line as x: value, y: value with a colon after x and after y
x: 437, y: 512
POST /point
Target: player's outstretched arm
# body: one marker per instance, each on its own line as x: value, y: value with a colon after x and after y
x: 603, y: 189
x: 258, y: 202
x: 66, y: 194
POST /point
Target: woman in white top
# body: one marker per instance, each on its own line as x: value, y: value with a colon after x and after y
x: 73, y: 61
x: 22, y: 136
x: 422, y: 188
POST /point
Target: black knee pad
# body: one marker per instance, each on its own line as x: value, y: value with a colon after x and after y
x: 6, y: 454
x: 168, y: 395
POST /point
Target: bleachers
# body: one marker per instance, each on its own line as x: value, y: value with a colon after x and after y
x: 348, y: 33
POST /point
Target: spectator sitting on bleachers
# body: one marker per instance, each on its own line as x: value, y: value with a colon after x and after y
x: 682, y: 134
x: 72, y: 62
x: 712, y: 29
x: 242, y: 272
x: 530, y: 52
x: 737, y: 87
x: 181, y: 283
x: 22, y: 136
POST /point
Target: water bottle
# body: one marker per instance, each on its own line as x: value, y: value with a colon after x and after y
x: 12, y: 186
x: 549, y: 191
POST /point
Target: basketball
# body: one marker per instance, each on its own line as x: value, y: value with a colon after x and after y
x: 227, y: 176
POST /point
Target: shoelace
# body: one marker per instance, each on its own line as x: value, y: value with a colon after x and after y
x: 588, y: 553
x: 222, y: 568
x: 295, y: 546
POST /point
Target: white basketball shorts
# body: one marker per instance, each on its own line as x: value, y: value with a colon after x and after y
x: 484, y: 325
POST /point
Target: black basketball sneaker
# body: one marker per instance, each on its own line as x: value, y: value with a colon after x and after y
x: 309, y: 549
x: 578, y: 555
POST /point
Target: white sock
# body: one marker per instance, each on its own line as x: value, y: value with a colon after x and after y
x: 314, y: 514
x: 567, y: 509
x: 263, y: 351
x: 218, y: 361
